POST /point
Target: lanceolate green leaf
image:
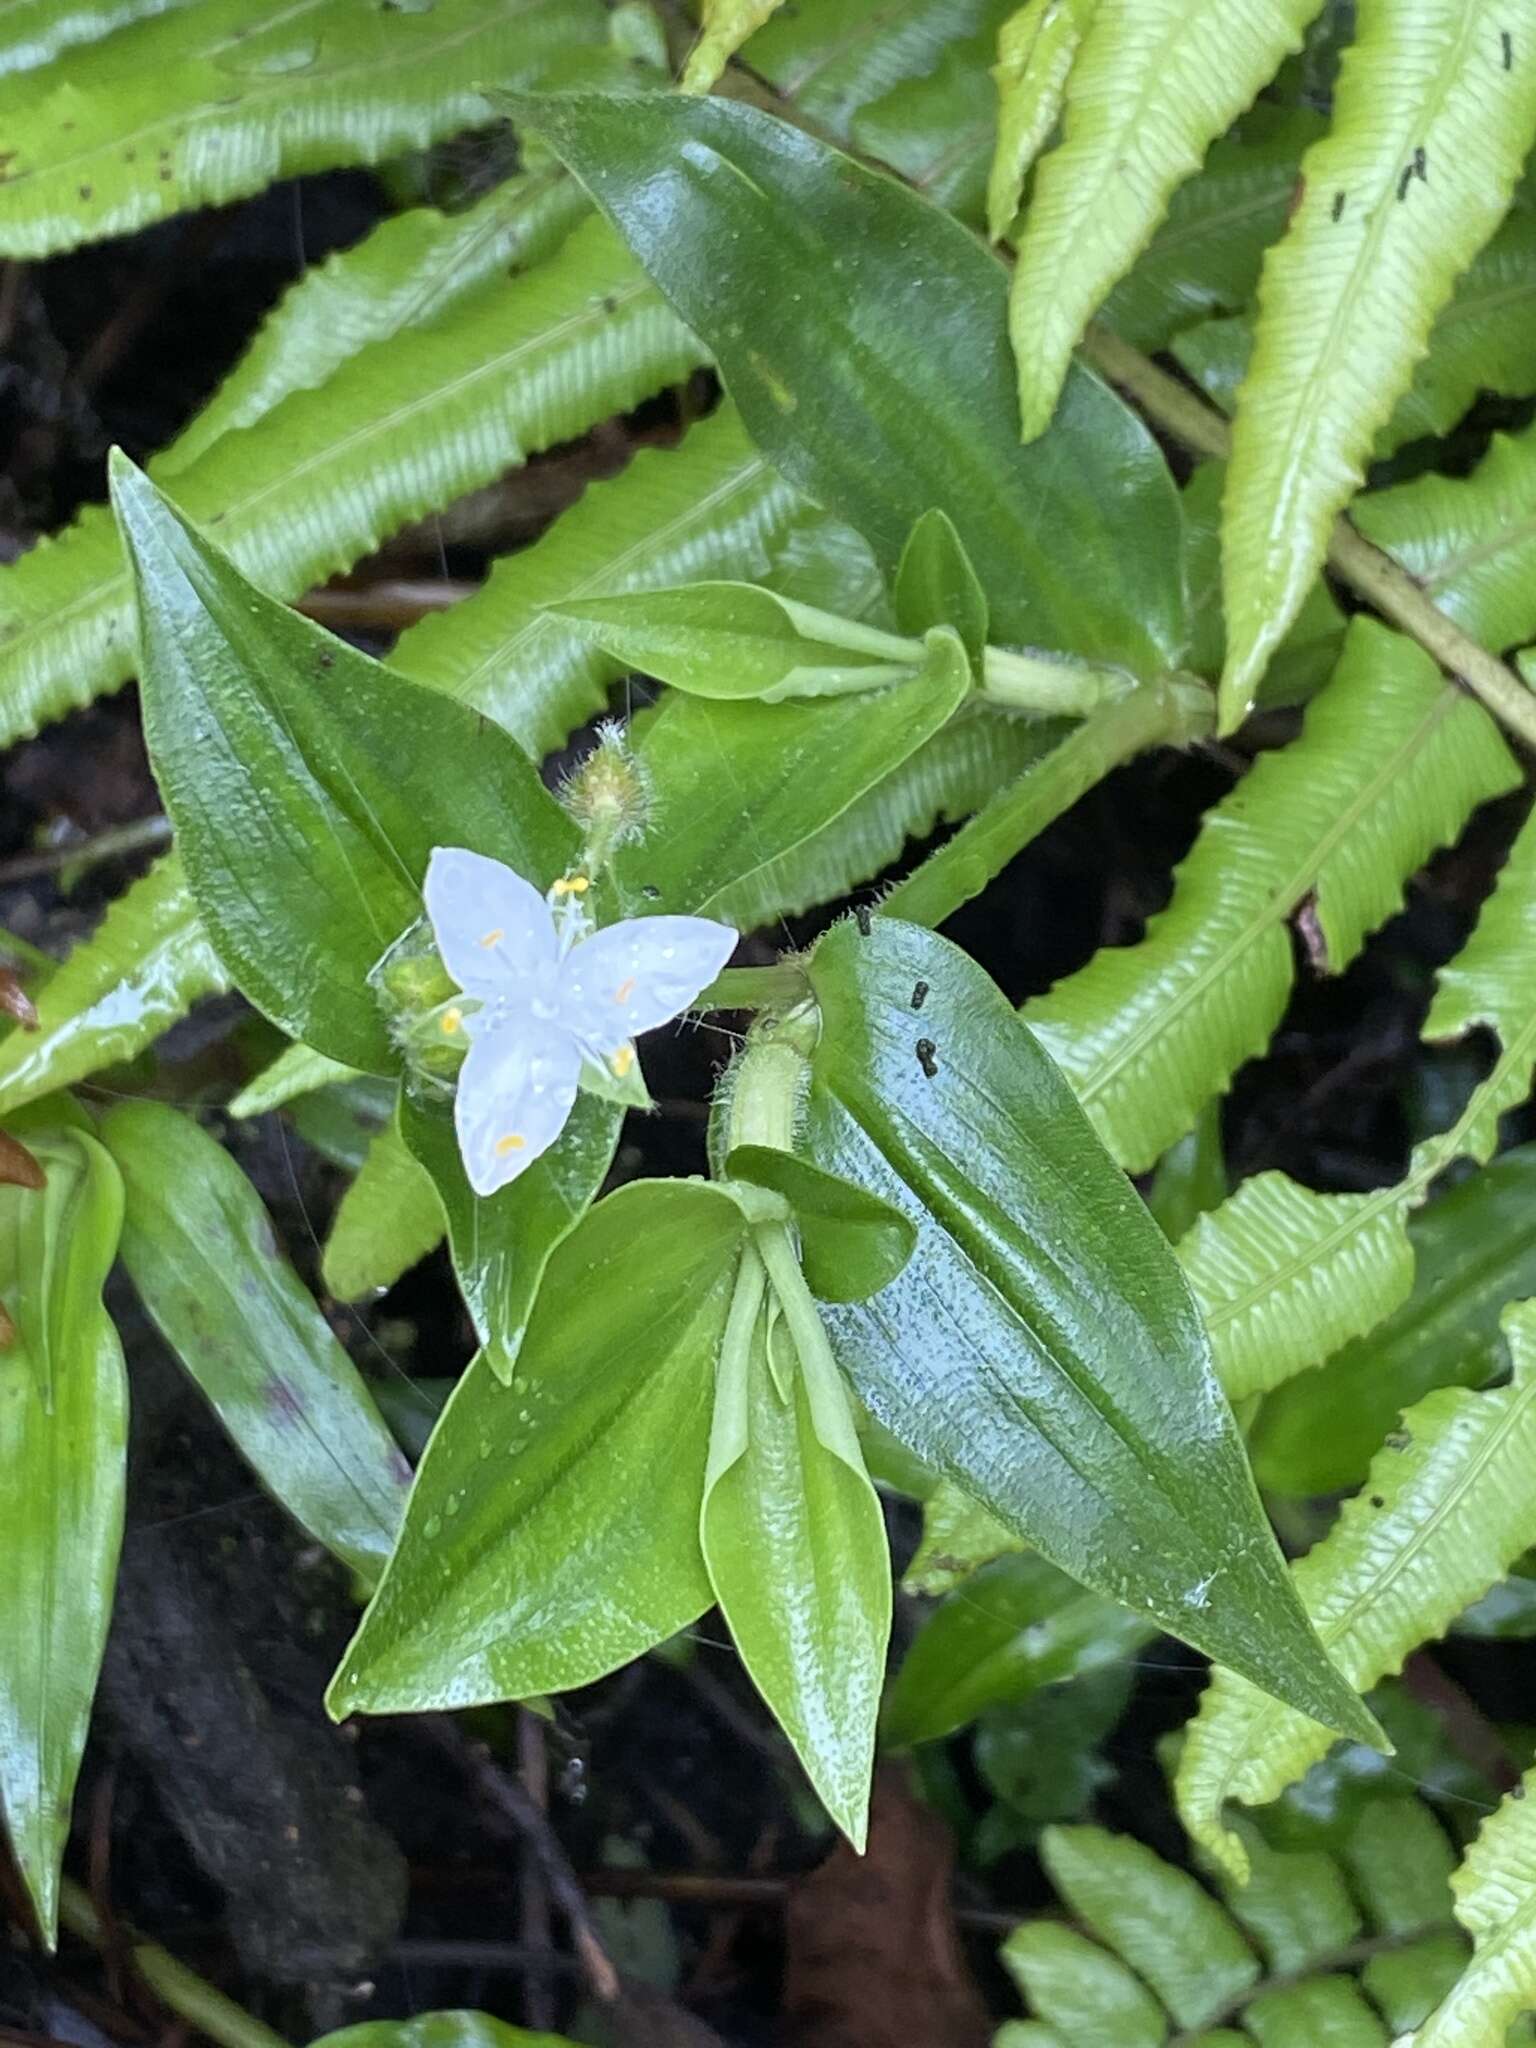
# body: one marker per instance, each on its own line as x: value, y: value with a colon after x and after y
x: 797, y: 267
x: 937, y: 131
x: 1040, y: 1348
x: 842, y: 56
x: 1152, y: 87
x: 199, y: 1247
x: 1010, y: 1628
x: 1446, y: 1508
x: 414, y: 268
x: 794, y: 1543
x: 741, y: 785
x: 309, y: 784
x: 297, y: 1071
x: 501, y: 1243
x: 146, y: 965
x: 1471, y: 1251
x: 390, y: 1216
x: 403, y: 427
x: 202, y: 106
x: 1496, y: 1904
x: 63, y: 1438
x: 1432, y: 120
x: 1391, y: 763
x: 553, y: 1531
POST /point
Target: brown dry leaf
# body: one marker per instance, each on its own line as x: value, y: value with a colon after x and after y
x: 15, y: 1002
x: 18, y: 1169
x: 874, y: 1960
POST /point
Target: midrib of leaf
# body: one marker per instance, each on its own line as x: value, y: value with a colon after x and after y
x: 505, y: 653
x: 238, y: 509
x: 1507, y: 540
x: 1279, y: 905
x: 1323, y: 385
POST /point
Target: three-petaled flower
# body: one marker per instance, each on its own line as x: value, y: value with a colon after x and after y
x: 544, y: 993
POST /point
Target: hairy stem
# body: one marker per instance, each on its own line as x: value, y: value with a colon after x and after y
x: 1048, y: 685
x: 1166, y: 712
x: 1385, y: 583
x: 192, y: 1997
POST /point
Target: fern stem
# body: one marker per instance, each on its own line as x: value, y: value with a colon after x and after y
x: 195, y: 2000
x: 1047, y: 685
x: 1169, y: 711
x: 1367, y: 569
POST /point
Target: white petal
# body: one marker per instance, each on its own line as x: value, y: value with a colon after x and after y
x: 630, y: 977
x: 492, y: 928
x: 516, y: 1089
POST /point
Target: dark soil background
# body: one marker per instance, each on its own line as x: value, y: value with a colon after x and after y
x: 659, y: 1827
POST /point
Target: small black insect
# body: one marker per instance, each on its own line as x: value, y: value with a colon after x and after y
x: 326, y: 658
x: 1421, y: 164
x: 1507, y: 46
x: 919, y: 995
x: 1378, y: 1500
x: 650, y: 890
x: 1338, y: 205
x: 927, y: 1057
x: 861, y: 915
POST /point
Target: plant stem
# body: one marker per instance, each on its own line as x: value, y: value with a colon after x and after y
x: 193, y: 1997
x: 142, y: 834
x: 1367, y: 569
x: 1048, y: 685
x: 1168, y: 711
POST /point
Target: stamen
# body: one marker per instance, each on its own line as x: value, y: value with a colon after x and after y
x: 579, y: 884
x: 451, y: 1020
x: 491, y: 937
x: 625, y: 990
x: 510, y: 1143
x: 622, y: 1061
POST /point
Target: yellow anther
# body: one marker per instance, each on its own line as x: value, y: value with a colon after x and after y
x: 622, y: 1061
x: 451, y: 1021
x: 561, y: 888
x: 624, y: 991
x: 491, y: 937
x: 579, y: 884
x: 510, y: 1143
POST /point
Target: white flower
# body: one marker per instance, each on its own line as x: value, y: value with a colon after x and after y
x: 547, y: 992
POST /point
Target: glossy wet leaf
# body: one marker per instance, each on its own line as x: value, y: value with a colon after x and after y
x: 199, y: 1247
x: 501, y: 1243
x: 862, y: 334
x: 794, y: 1544
x: 308, y: 784
x: 1041, y: 1347
x: 744, y: 786
x: 937, y: 586
x: 851, y: 1243
x: 733, y: 640
x: 63, y: 1439
x: 553, y: 1531
x: 1013, y: 1626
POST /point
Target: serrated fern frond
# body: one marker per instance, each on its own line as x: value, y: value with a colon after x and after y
x: 1495, y: 1893
x: 399, y: 430
x: 197, y: 106
x: 1152, y: 87
x: 144, y: 967
x: 1285, y: 1275
x: 1036, y: 49
x: 1433, y: 118
x: 412, y: 270
x: 1280, y: 1961
x: 1446, y: 1508
x: 32, y: 32
x: 1391, y: 763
